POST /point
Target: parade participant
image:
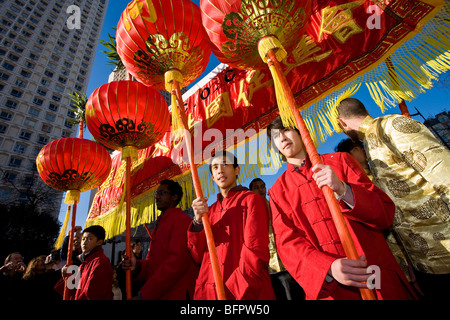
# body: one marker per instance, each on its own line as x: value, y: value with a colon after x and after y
x: 356, y: 149
x: 413, y: 168
x: 94, y: 277
x: 11, y: 274
x: 168, y: 271
x: 239, y: 223
x: 284, y: 286
x: 306, y: 237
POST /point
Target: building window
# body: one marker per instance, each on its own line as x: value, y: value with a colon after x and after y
x: 16, y: 93
x: 15, y: 162
x: 5, y: 115
x: 67, y: 124
x: 11, y: 104
x: 8, y: 66
x: 21, y: 83
x: 20, y: 148
x: 34, y: 112
x: 30, y: 123
x: 50, y: 117
x: 9, y: 177
x: 42, y: 92
x: 46, y: 128
x: 53, y: 107
x: 65, y: 134
x: 38, y: 101
x: 42, y: 140
x: 25, y: 135
x: 25, y: 74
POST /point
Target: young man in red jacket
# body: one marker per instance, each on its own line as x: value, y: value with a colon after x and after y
x: 93, y: 280
x: 306, y: 238
x: 168, y: 270
x: 239, y: 223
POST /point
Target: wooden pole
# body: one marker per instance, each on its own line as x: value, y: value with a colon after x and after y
x: 128, y: 225
x: 70, y: 248
x: 333, y: 204
x: 393, y: 75
x: 198, y: 190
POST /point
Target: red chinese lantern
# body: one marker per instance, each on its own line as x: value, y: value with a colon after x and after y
x: 73, y: 165
x: 154, y: 37
x: 255, y: 34
x: 164, y: 44
x: 127, y: 116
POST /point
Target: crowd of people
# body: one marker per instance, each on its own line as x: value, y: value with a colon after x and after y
x: 390, y: 179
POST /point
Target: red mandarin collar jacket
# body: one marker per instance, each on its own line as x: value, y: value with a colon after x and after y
x: 308, y: 242
x: 168, y: 269
x: 240, y: 228
x: 95, y: 280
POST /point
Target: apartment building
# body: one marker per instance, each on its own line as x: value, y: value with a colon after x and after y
x: 47, y: 50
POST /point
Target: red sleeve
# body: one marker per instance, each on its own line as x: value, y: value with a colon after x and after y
x: 174, y: 266
x: 372, y: 207
x: 59, y: 287
x: 99, y: 283
x: 299, y: 256
x: 246, y: 281
x: 197, y: 244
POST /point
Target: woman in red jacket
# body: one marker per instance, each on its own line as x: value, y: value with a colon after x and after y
x: 306, y: 238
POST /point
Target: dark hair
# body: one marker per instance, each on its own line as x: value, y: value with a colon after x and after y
x: 351, y: 107
x: 97, y: 231
x: 254, y: 181
x: 174, y: 188
x: 346, y: 145
x: 223, y: 154
x: 277, y: 123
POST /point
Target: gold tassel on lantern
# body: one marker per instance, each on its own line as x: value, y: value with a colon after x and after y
x: 177, y: 126
x: 62, y: 234
x: 271, y: 43
x: 72, y: 197
x: 129, y: 151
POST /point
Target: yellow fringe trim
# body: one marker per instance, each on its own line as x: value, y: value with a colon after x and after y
x: 59, y: 241
x: 72, y: 197
x: 177, y: 125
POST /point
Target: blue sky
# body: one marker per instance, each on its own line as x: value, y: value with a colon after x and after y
x: 429, y: 103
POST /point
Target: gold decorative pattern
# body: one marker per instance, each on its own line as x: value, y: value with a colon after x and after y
x: 398, y: 188
x: 406, y: 125
x: 257, y: 19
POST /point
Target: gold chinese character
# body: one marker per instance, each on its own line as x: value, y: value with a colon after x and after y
x: 218, y: 108
x: 254, y: 81
x: 338, y: 21
x: 134, y: 9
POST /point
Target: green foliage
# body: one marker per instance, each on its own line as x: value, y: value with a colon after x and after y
x: 27, y: 231
x: 79, y: 101
x: 111, y: 53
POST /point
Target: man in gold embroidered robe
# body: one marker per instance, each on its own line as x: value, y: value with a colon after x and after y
x: 413, y: 168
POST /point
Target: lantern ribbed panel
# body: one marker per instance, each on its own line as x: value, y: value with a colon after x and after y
x: 155, y: 36
x: 73, y: 164
x: 235, y: 27
x: 127, y: 113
